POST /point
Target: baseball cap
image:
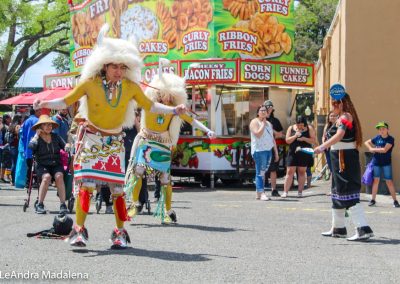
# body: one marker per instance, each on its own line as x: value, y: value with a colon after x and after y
x: 382, y: 124
x: 268, y: 103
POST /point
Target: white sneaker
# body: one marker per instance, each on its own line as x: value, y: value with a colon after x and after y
x: 78, y: 237
x: 264, y: 197
x: 119, y: 239
x: 284, y: 195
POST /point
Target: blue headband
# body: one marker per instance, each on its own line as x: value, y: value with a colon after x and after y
x: 337, y: 92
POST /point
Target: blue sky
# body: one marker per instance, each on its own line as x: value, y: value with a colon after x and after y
x: 33, y: 77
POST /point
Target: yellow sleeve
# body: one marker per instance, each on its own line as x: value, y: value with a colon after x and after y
x: 186, y: 118
x: 140, y: 97
x: 78, y: 92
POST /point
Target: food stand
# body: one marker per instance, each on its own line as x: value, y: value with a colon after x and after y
x: 231, y: 52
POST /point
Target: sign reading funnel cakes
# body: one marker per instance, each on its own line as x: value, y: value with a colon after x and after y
x: 140, y: 22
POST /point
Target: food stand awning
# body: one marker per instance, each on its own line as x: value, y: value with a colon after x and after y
x: 29, y: 98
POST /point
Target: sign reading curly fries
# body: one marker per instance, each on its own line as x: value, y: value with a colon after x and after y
x: 189, y: 29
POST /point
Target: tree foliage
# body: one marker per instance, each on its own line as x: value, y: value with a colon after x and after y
x: 29, y: 31
x: 61, y: 63
x: 313, y: 19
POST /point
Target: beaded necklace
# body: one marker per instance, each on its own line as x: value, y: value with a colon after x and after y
x: 109, y: 89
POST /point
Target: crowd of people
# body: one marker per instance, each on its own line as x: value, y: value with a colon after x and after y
x: 342, y: 137
x: 110, y: 95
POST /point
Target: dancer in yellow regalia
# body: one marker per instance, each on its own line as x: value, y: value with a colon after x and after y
x: 151, y: 149
x: 107, y: 92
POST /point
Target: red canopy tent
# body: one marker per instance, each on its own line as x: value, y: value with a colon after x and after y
x: 29, y: 98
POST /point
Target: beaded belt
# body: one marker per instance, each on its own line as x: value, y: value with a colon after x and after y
x: 162, y: 137
x: 343, y: 146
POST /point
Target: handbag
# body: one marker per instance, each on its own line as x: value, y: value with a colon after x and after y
x: 368, y: 176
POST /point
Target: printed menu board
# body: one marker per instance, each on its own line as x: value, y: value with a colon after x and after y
x: 187, y: 29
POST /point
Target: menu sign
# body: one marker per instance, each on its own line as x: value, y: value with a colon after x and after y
x: 257, y: 72
x: 287, y: 74
x: 151, y: 70
x: 276, y: 73
x: 209, y: 72
x: 255, y: 29
x: 66, y: 80
x: 193, y: 29
x: 170, y: 28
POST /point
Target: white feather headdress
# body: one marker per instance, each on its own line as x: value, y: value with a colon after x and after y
x: 118, y: 51
x: 174, y: 85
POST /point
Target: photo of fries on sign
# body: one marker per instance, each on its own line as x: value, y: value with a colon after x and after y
x: 266, y: 26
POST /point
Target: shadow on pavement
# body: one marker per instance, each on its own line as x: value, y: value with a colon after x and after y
x: 11, y: 205
x: 194, y: 227
x: 163, y: 255
x: 374, y: 241
x: 384, y: 241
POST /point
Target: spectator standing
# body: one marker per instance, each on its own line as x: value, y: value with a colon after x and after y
x: 303, y: 136
x: 262, y: 145
x: 5, y: 157
x: 381, y: 146
x: 61, y: 118
x: 21, y: 169
x: 12, y: 139
x: 27, y: 134
x: 278, y: 134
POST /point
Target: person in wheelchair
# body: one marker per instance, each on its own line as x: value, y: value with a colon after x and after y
x: 46, y: 148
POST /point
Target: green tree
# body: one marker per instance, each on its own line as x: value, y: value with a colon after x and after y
x: 313, y: 19
x: 61, y: 63
x: 30, y: 30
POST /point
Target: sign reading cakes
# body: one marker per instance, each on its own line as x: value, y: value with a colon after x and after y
x: 151, y: 70
x: 295, y: 74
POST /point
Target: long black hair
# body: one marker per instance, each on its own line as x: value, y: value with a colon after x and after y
x: 301, y: 119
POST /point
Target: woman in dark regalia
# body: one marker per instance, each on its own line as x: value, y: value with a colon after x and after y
x: 345, y: 137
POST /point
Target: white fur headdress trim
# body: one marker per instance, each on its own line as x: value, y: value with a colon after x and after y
x: 174, y: 85
x: 118, y: 51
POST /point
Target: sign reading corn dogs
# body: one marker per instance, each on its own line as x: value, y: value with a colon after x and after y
x: 193, y: 29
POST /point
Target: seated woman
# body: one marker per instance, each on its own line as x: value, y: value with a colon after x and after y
x: 46, y: 148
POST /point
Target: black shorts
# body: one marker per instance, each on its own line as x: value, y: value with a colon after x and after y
x: 299, y: 159
x: 52, y: 170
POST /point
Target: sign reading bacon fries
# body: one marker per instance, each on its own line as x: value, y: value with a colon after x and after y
x: 193, y: 29
x: 209, y: 72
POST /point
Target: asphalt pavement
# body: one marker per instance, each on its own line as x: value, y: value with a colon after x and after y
x: 222, y: 236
